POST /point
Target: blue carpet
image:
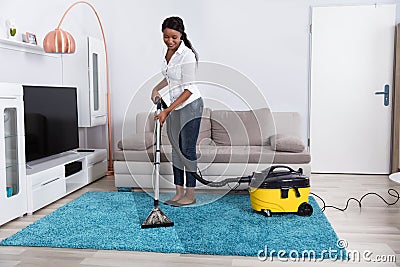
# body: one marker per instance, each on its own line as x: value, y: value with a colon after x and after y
x: 228, y: 226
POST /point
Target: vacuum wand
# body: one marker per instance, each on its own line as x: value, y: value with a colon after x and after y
x: 157, y: 218
x: 157, y: 162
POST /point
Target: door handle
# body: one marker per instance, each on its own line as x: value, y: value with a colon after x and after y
x: 385, y: 94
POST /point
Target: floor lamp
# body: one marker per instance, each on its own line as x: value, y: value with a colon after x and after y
x: 59, y: 41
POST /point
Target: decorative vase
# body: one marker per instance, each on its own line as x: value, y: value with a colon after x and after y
x: 11, y: 29
x: 12, y: 33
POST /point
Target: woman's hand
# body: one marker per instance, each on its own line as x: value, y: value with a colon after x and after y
x: 154, y: 94
x: 162, y: 116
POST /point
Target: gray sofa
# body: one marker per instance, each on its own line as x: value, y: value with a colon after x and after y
x: 230, y: 144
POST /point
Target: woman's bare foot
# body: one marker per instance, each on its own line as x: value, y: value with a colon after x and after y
x: 188, y: 198
x: 185, y: 201
x: 178, y: 195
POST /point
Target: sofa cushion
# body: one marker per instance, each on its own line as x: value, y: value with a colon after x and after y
x: 139, y: 141
x: 258, y: 154
x: 145, y: 122
x: 241, y: 128
x: 205, y: 154
x: 204, y: 131
x: 287, y: 143
x: 222, y: 154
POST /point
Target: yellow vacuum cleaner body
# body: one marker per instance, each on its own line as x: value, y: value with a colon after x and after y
x: 280, y: 191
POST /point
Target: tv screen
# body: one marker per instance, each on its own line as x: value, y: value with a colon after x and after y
x: 51, y: 120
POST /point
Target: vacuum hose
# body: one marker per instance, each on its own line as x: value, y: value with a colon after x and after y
x: 160, y: 103
x: 245, y: 179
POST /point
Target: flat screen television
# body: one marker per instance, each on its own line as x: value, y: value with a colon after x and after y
x: 51, y: 120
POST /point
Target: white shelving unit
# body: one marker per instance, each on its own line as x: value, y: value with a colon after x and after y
x: 48, y: 181
x: 24, y: 47
x: 86, y: 70
x: 13, y: 199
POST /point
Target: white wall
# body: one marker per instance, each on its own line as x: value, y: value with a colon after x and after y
x: 265, y: 40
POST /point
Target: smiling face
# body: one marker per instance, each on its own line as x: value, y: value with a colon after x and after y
x: 172, y: 38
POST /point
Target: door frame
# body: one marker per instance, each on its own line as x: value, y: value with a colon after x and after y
x: 396, y: 105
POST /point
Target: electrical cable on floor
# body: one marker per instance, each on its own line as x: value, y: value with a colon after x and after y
x: 392, y: 192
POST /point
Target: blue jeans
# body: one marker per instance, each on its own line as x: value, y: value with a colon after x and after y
x: 183, y: 127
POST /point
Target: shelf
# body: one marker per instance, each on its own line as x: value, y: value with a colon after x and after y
x: 71, y: 187
x: 24, y: 47
x: 79, y: 176
x: 40, y: 165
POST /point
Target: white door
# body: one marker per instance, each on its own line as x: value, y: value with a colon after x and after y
x: 352, y: 53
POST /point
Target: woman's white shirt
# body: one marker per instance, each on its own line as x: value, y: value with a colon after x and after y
x: 180, y: 73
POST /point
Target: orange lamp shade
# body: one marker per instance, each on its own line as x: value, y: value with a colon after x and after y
x: 59, y: 41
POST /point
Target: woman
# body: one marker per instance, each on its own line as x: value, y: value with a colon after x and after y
x: 183, y: 116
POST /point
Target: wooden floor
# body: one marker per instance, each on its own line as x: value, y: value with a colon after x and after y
x: 375, y: 228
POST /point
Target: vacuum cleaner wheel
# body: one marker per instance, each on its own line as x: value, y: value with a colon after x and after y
x: 266, y: 213
x: 305, y: 209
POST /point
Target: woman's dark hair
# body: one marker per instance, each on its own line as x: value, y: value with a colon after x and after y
x: 176, y: 23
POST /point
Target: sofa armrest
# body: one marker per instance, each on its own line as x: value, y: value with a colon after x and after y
x: 138, y: 141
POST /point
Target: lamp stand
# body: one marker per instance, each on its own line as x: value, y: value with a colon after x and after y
x: 62, y: 42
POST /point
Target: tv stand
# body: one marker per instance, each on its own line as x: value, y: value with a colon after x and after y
x: 52, y: 178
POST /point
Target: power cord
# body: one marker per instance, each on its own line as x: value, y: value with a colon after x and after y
x: 392, y: 192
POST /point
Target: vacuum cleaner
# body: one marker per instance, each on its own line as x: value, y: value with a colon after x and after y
x: 277, y: 189
x: 284, y: 191
x: 157, y: 218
